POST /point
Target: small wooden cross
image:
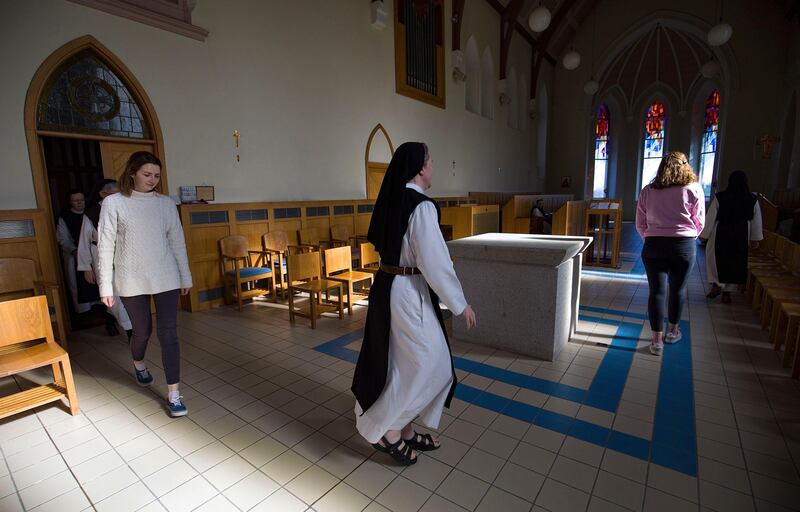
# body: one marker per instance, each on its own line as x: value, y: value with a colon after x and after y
x: 766, y: 142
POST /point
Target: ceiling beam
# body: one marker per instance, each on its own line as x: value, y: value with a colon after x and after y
x: 497, y: 6
x: 458, y: 16
x: 545, y: 38
x: 507, y: 24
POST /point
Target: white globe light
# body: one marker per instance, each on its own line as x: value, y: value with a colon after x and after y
x: 591, y: 87
x: 710, y: 68
x: 571, y: 60
x: 539, y: 19
x: 719, y: 34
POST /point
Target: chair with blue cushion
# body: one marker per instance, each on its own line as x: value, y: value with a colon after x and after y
x: 275, y: 245
x: 240, y: 277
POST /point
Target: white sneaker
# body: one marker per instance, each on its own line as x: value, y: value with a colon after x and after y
x: 673, y: 338
x: 656, y: 349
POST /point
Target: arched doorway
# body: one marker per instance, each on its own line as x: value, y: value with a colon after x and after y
x: 376, y: 160
x: 85, y: 113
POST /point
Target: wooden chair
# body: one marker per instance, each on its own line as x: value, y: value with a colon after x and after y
x: 18, y: 279
x: 311, y: 240
x: 339, y: 267
x: 369, y: 260
x: 275, y: 245
x: 306, y: 267
x: 341, y: 234
x: 238, y: 270
x: 26, y: 343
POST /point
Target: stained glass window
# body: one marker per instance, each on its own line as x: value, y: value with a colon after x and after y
x: 86, y: 96
x: 708, y: 150
x: 601, y: 152
x: 653, y: 141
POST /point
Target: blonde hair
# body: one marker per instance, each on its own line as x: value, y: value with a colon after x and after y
x: 674, y: 170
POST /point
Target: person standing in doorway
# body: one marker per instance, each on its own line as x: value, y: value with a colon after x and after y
x: 669, y: 217
x: 405, y: 369
x: 87, y: 254
x: 68, y: 231
x: 733, y: 225
x: 142, y: 255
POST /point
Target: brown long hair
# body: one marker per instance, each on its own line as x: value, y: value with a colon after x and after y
x: 135, y: 162
x: 674, y: 170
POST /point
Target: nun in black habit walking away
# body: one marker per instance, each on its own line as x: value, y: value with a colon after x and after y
x: 733, y: 224
x: 405, y: 369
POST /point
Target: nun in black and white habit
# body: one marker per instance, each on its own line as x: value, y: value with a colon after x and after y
x: 405, y: 369
x: 733, y: 223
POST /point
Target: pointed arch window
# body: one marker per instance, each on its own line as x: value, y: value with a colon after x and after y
x: 654, y: 125
x: 86, y: 96
x: 601, y: 152
x: 708, y: 148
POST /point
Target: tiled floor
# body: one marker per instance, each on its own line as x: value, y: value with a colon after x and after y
x: 713, y: 425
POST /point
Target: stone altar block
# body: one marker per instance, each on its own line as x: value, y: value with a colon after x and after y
x: 525, y: 290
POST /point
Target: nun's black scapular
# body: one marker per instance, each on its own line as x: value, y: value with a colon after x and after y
x: 732, y: 229
x: 390, y: 219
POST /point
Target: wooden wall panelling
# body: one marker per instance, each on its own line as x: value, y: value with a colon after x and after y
x: 323, y: 225
x: 290, y: 226
x: 253, y: 232
x: 362, y: 223
x: 36, y: 248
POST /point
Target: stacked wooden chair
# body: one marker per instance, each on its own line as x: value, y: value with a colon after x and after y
x: 18, y: 279
x: 275, y: 247
x: 27, y: 343
x: 773, y: 286
x: 305, y: 276
x: 339, y: 267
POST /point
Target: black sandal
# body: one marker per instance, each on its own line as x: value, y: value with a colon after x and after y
x: 401, y: 455
x: 422, y: 442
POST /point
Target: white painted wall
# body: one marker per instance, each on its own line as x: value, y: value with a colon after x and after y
x: 303, y: 82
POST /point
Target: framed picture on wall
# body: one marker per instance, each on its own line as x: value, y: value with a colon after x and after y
x: 566, y: 181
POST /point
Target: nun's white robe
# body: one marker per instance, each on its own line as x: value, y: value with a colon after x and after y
x: 419, y: 372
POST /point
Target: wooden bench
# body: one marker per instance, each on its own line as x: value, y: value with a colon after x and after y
x: 26, y: 343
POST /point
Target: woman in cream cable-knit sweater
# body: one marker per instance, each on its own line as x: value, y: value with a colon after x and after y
x: 142, y: 254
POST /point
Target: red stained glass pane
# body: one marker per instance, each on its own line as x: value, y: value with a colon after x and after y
x: 654, y: 125
x: 601, y: 127
x: 712, y: 111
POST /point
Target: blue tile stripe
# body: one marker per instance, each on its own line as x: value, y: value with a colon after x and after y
x: 674, y: 436
x: 608, y: 384
x: 674, y: 442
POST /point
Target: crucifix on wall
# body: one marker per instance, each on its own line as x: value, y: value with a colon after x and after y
x: 767, y: 142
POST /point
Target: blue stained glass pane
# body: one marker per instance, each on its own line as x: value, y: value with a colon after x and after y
x: 710, y: 142
x: 707, y: 171
x: 653, y: 148
x: 601, y: 148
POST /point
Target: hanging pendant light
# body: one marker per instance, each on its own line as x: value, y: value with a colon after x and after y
x: 571, y: 60
x: 720, y: 33
x: 539, y: 19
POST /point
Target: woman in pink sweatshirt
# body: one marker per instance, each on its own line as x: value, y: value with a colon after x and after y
x: 670, y: 215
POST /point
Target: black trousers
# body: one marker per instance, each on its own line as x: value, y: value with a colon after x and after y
x: 138, y: 308
x: 668, y: 262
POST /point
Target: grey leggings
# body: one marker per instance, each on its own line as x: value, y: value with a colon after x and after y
x: 138, y: 308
